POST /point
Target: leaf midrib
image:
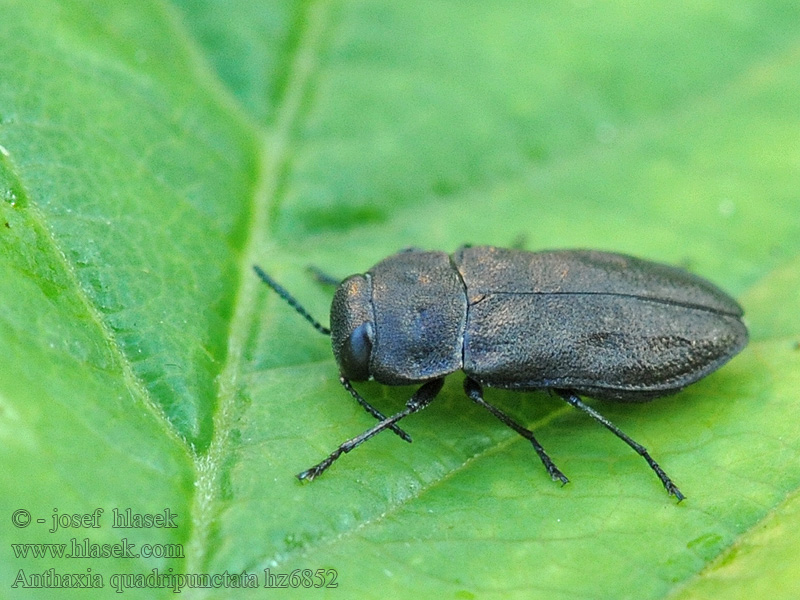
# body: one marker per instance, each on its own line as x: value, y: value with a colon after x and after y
x: 275, y: 148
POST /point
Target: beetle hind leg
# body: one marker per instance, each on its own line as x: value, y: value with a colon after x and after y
x: 474, y: 391
x: 572, y: 399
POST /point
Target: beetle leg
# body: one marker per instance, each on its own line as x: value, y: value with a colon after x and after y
x: 573, y: 400
x: 474, y: 391
x: 421, y: 398
x: 371, y: 409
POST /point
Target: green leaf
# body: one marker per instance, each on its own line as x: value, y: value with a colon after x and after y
x: 152, y: 152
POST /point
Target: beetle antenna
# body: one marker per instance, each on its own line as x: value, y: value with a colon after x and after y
x: 573, y: 400
x: 290, y: 300
x: 421, y: 398
x: 323, y: 277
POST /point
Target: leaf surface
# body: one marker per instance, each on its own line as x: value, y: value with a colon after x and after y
x: 151, y: 153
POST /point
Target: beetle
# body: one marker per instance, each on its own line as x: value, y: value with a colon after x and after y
x: 576, y: 322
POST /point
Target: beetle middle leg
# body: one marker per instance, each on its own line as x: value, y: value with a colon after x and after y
x: 572, y: 399
x: 421, y: 398
x: 474, y: 391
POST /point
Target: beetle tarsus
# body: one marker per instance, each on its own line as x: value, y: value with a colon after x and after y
x: 307, y: 475
x: 474, y: 392
x: 557, y: 475
x: 674, y: 491
x: 572, y: 399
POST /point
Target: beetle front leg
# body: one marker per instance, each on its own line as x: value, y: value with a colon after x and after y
x: 371, y: 409
x: 572, y: 399
x: 474, y: 391
x: 421, y: 398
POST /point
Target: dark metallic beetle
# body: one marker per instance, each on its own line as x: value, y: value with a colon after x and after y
x: 578, y: 322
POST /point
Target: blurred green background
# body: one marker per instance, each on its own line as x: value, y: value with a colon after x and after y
x: 151, y: 152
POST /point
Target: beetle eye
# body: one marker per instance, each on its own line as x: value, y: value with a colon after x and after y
x: 356, y: 352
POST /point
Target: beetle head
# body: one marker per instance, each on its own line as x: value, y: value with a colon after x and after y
x: 353, y: 327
